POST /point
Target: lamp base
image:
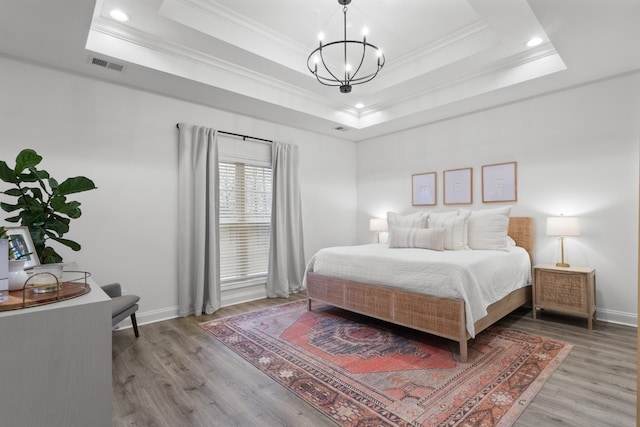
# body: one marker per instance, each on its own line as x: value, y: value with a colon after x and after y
x: 562, y: 264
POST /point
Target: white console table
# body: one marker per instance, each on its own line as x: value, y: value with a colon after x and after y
x: 55, y: 363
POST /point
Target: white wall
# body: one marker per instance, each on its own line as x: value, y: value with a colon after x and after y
x: 577, y: 154
x: 126, y: 141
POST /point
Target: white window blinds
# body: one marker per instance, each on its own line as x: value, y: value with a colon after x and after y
x: 245, y: 214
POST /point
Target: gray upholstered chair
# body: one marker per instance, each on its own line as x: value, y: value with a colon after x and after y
x: 122, y: 305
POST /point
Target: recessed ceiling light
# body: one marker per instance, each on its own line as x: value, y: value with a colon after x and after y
x: 359, y: 105
x: 535, y: 41
x: 119, y: 15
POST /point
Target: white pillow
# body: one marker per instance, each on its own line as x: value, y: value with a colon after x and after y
x: 414, y: 220
x: 455, y: 227
x: 426, y: 238
x: 488, y: 228
x: 438, y: 216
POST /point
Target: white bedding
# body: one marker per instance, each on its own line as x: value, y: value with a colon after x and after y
x: 479, y: 277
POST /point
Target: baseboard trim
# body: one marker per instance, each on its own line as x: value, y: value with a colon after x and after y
x: 255, y: 293
x: 145, y: 317
x: 619, y: 317
x: 231, y: 297
x: 245, y: 294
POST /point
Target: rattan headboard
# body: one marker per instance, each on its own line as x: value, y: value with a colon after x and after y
x: 521, y: 230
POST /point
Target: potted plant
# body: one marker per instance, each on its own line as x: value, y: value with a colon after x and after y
x: 42, y: 203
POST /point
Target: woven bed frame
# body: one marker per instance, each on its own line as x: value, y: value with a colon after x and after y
x: 444, y: 317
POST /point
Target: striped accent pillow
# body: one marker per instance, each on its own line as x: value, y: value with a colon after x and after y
x: 455, y: 230
x: 426, y: 238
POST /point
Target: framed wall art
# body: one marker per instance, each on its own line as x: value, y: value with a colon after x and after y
x: 500, y: 182
x: 21, y: 246
x: 423, y: 189
x: 458, y: 185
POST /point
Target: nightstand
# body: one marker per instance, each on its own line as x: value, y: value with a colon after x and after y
x: 569, y: 290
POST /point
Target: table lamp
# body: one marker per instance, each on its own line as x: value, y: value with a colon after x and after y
x: 378, y: 225
x: 563, y: 226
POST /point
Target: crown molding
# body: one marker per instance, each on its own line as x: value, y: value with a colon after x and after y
x: 340, y: 112
x: 218, y: 13
x: 506, y: 64
x: 473, y: 30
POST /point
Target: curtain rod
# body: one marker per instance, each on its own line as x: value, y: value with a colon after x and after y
x: 244, y: 137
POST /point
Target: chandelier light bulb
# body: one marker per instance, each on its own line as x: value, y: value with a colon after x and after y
x: 347, y: 67
x: 320, y: 36
x: 365, y: 31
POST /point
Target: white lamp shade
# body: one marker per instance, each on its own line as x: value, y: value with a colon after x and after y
x: 563, y: 226
x: 377, y: 224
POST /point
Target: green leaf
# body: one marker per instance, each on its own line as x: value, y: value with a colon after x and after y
x: 57, y: 202
x: 31, y: 204
x: 6, y: 173
x: 13, y: 192
x: 70, y: 209
x: 75, y: 185
x: 9, y: 208
x: 28, y: 177
x: 37, y: 193
x: 70, y: 243
x: 57, y: 224
x: 49, y: 256
x: 27, y: 158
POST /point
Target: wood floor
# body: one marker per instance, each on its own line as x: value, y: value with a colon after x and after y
x: 176, y: 375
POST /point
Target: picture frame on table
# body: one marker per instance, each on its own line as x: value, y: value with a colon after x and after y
x: 458, y: 186
x: 21, y: 246
x: 424, y: 189
x: 500, y: 182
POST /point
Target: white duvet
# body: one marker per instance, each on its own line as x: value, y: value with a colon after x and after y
x: 479, y: 277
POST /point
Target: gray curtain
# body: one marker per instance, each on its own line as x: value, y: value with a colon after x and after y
x: 286, y: 252
x: 198, y: 216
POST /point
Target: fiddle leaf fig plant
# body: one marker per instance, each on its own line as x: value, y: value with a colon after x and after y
x: 42, y: 203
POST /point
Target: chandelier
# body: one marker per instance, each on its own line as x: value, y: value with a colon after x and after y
x: 345, y: 75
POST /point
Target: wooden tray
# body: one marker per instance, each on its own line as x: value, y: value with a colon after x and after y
x: 26, y: 297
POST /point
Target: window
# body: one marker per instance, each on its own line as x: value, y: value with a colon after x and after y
x: 245, y: 215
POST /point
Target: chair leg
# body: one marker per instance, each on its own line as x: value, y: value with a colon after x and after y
x: 135, y: 325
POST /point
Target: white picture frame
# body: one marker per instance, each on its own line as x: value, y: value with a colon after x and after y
x: 424, y: 189
x: 21, y: 246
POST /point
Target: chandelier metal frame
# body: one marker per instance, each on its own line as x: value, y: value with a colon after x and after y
x: 349, y: 79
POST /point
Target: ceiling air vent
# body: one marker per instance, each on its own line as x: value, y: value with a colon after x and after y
x: 105, y: 63
x: 341, y: 128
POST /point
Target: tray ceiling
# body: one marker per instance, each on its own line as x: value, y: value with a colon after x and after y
x: 444, y: 57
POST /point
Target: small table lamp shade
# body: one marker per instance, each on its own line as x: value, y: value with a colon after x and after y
x: 378, y: 225
x: 563, y: 226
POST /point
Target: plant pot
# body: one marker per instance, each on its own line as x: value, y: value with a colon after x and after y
x: 17, y: 275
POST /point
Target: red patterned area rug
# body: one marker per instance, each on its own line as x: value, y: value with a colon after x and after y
x: 362, y: 372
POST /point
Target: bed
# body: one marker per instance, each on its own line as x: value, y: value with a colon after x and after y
x: 444, y: 317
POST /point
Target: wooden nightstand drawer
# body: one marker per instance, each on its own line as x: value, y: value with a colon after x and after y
x: 569, y: 290
x: 565, y: 291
